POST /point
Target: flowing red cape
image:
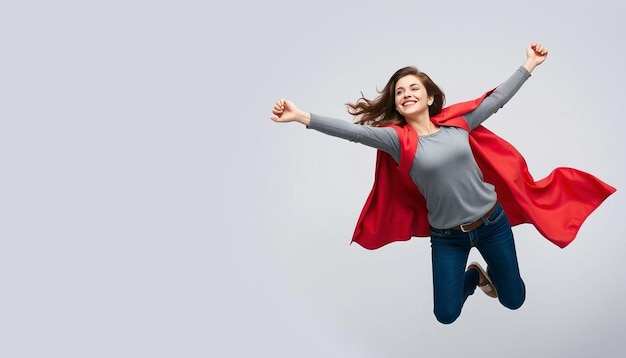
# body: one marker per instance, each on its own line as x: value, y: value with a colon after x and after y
x: 557, y: 205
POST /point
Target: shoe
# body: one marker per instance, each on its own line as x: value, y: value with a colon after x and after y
x: 484, y: 282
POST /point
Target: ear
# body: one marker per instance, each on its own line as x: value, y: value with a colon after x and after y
x: 431, y: 99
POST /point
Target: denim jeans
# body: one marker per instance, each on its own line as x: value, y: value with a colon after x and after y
x: 450, y: 250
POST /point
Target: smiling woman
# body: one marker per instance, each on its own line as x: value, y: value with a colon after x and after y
x: 409, y: 93
x: 412, y: 101
x: 439, y: 173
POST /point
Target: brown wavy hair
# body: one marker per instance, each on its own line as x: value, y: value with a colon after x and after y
x: 382, y: 110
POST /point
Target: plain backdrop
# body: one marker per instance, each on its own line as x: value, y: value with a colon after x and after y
x: 150, y: 208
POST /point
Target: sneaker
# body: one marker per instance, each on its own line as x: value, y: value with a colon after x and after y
x: 484, y: 282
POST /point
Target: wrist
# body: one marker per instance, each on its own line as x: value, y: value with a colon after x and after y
x: 529, y: 65
x: 304, y: 117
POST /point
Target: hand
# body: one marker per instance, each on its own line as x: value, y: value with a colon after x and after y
x: 535, y: 55
x: 285, y: 111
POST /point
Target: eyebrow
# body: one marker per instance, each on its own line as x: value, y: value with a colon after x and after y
x: 411, y: 85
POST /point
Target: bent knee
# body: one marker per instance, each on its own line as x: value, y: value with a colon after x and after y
x: 447, y: 317
x: 513, y: 303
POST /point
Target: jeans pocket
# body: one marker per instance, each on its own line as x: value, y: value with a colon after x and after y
x: 439, y: 233
x: 499, y: 214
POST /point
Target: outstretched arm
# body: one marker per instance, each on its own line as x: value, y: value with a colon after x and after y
x: 382, y: 138
x: 535, y: 55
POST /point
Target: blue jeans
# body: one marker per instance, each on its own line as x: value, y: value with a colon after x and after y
x: 452, y: 284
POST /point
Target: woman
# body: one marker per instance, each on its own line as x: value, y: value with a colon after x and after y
x: 441, y: 174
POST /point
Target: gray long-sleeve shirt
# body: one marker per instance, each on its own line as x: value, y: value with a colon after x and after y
x: 444, y: 168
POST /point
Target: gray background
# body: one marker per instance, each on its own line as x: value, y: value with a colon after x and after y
x: 150, y: 208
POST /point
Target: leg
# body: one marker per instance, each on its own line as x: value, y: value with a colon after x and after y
x: 451, y: 284
x: 497, y: 246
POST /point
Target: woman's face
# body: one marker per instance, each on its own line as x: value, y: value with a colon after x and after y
x: 411, y: 96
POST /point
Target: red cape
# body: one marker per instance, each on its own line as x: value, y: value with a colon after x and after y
x: 557, y: 205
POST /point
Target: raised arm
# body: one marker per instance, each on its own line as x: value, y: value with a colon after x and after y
x: 382, y: 138
x: 535, y: 55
